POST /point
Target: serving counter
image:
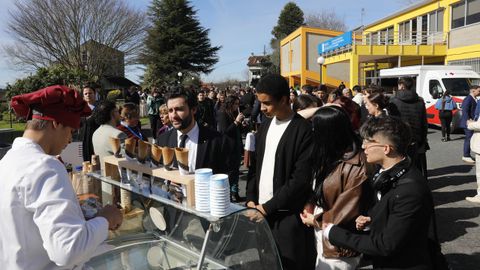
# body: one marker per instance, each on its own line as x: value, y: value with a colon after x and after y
x: 161, y: 233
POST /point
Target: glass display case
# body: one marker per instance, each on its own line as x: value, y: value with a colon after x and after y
x: 159, y: 233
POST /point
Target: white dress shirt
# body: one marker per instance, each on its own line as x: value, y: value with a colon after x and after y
x: 191, y: 144
x: 41, y: 224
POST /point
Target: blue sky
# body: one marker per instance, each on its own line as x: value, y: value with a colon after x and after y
x: 241, y: 27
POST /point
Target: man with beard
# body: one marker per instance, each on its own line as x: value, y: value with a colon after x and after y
x: 107, y: 116
x: 206, y: 147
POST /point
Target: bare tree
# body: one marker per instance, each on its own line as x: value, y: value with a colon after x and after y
x: 326, y: 19
x: 77, y: 34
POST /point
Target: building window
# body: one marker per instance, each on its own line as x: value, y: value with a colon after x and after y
x: 405, y: 32
x: 440, y: 20
x: 473, y: 11
x: 458, y: 15
x: 390, y: 35
x: 465, y: 13
x: 375, y: 38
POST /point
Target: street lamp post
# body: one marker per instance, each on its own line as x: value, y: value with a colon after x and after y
x: 179, y: 74
x: 320, y: 62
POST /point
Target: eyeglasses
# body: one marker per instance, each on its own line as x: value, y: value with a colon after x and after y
x: 366, y: 144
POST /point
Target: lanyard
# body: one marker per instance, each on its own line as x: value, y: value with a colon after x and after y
x: 138, y: 135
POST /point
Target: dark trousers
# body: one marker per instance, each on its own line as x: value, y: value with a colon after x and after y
x: 154, y: 124
x: 466, y: 143
x: 446, y: 120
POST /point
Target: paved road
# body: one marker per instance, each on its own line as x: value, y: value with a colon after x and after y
x: 451, y: 180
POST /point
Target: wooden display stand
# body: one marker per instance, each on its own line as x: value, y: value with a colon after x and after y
x: 111, y: 169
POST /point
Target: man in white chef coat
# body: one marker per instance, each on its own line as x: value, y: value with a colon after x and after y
x: 41, y: 222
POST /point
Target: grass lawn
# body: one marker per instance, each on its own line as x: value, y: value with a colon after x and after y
x: 15, y: 125
x: 21, y: 126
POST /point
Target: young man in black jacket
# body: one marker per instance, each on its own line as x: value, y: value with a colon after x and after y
x: 396, y: 230
x: 280, y: 187
x: 411, y: 108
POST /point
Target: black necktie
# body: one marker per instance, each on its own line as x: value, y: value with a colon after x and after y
x: 183, y: 140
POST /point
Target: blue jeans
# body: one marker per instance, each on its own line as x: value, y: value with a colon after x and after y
x: 466, y: 143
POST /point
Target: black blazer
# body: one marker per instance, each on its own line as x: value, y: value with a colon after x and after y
x: 399, y: 230
x: 291, y: 187
x: 88, y: 127
x: 211, y: 149
x: 292, y: 172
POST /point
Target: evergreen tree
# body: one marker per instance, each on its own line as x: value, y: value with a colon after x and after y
x: 289, y: 20
x: 291, y: 17
x: 176, y: 42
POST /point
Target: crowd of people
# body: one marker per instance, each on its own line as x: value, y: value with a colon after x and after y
x: 338, y: 175
x: 327, y: 196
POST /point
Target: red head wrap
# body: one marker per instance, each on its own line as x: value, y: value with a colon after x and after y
x: 57, y: 102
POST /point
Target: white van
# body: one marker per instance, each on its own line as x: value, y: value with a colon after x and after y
x: 431, y: 81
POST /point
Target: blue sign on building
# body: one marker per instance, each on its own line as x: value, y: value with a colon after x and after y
x: 335, y: 43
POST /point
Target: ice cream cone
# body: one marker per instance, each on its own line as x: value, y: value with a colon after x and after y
x: 115, y: 144
x: 130, y: 147
x: 142, y: 151
x: 156, y: 152
x: 167, y: 154
x: 182, y: 160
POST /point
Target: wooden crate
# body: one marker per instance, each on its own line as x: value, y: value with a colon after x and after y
x: 111, y: 169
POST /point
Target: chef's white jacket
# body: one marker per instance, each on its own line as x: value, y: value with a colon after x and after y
x: 41, y: 223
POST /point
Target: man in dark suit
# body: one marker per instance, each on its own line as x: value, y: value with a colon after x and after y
x: 469, y: 105
x: 88, y: 124
x: 207, y: 148
x: 398, y: 225
x: 280, y: 187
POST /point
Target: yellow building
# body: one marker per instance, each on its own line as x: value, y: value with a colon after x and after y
x: 429, y: 32
x: 298, y: 55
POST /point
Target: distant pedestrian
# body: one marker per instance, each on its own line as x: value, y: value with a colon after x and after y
x: 376, y: 104
x: 88, y: 124
x: 164, y: 119
x: 469, y: 104
x: 411, y: 109
x: 131, y: 95
x: 154, y: 100
x: 475, y: 147
x: 205, y: 114
x: 445, y: 105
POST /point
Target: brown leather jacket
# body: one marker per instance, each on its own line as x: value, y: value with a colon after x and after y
x: 346, y: 197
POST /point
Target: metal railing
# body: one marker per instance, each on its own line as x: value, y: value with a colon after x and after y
x: 400, y: 38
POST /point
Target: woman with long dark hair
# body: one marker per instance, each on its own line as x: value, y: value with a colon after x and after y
x: 340, y: 192
x: 376, y: 104
x: 229, y: 122
x: 445, y: 105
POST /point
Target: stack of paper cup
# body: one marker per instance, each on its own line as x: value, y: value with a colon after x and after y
x: 202, y: 189
x: 219, y: 195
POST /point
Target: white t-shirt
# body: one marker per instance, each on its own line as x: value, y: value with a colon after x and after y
x: 274, y: 134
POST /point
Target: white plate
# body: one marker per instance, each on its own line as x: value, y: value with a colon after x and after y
x: 158, y: 219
